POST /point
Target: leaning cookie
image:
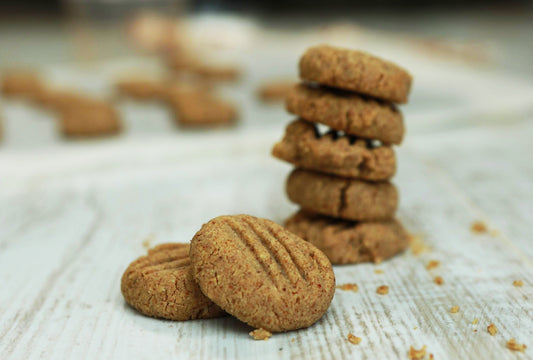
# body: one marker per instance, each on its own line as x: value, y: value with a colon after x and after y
x: 334, y: 154
x: 262, y: 274
x: 346, y: 242
x: 348, y: 112
x: 161, y: 285
x: 89, y: 119
x: 356, y: 71
x: 343, y: 198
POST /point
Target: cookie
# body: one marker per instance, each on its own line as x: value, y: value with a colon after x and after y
x: 198, y: 108
x: 141, y: 89
x: 275, y: 90
x: 186, y: 62
x: 262, y: 274
x: 19, y: 83
x: 343, y: 198
x: 334, y: 154
x: 161, y: 285
x: 89, y: 119
x: 348, y: 112
x: 347, y: 242
x: 356, y: 71
x: 60, y: 100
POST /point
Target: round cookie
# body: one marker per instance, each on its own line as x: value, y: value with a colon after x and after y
x: 343, y: 198
x: 161, y: 285
x: 89, y: 119
x: 262, y: 274
x: 356, y: 71
x: 348, y: 112
x: 330, y: 153
x: 346, y: 242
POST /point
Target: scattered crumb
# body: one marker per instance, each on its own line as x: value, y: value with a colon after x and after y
x: 478, y: 227
x: 417, y: 244
x: 147, y: 243
x: 492, y: 329
x: 378, y: 271
x: 354, y: 339
x: 438, y: 280
x: 383, y: 290
x: 431, y: 357
x: 293, y: 339
x: 432, y: 264
x: 416, y: 327
x: 518, y: 283
x: 513, y: 345
x: 454, y: 309
x: 260, y: 334
x: 348, y: 287
x: 475, y: 330
x: 475, y: 321
x: 415, y: 354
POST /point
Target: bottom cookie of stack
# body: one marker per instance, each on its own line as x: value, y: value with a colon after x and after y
x: 347, y: 242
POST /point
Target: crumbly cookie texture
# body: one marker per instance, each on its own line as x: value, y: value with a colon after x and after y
x: 345, y: 156
x: 348, y: 199
x: 348, y: 112
x: 161, y: 285
x: 346, y: 242
x: 356, y: 71
x: 89, y: 120
x: 261, y: 273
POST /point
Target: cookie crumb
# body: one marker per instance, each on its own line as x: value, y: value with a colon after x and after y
x: 492, y: 329
x: 415, y: 354
x: 518, y: 283
x: 378, y: 271
x: 438, y: 280
x: 454, y: 309
x: 478, y: 227
x: 417, y: 244
x: 475, y: 321
x: 348, y: 287
x: 260, y: 334
x: 416, y: 327
x: 431, y: 357
x: 293, y: 339
x: 513, y: 345
x: 147, y: 243
x: 432, y: 264
x: 354, y: 339
x: 383, y: 290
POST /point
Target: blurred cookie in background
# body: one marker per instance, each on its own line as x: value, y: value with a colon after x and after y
x: 275, y: 90
x: 19, y: 83
x: 89, y: 119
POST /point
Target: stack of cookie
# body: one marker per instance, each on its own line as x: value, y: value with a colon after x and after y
x: 342, y: 176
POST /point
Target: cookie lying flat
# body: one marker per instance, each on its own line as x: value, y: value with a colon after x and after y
x: 262, y: 274
x: 345, y: 156
x: 356, y: 71
x: 196, y: 108
x: 348, y: 112
x: 89, y: 119
x: 141, y: 89
x: 346, y: 242
x: 343, y: 198
x: 161, y: 285
x: 61, y: 100
x: 19, y: 83
x: 275, y: 90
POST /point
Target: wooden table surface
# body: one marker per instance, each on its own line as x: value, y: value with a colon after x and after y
x: 74, y: 215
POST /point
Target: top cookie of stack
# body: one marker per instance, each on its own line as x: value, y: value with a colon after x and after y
x: 342, y: 176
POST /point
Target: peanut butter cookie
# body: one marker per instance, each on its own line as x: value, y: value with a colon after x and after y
x: 334, y: 154
x: 89, y: 119
x: 262, y: 274
x: 161, y: 285
x: 21, y: 83
x: 346, y: 242
x: 348, y: 112
x: 356, y: 71
x: 343, y: 198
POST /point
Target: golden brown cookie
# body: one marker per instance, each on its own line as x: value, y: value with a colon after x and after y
x: 187, y: 62
x: 141, y: 89
x: 343, y: 198
x: 262, y: 274
x: 335, y: 154
x: 356, y: 71
x: 275, y: 90
x: 60, y: 100
x: 20, y: 83
x: 347, y: 242
x: 348, y: 112
x: 89, y: 119
x: 161, y: 285
x: 199, y: 108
